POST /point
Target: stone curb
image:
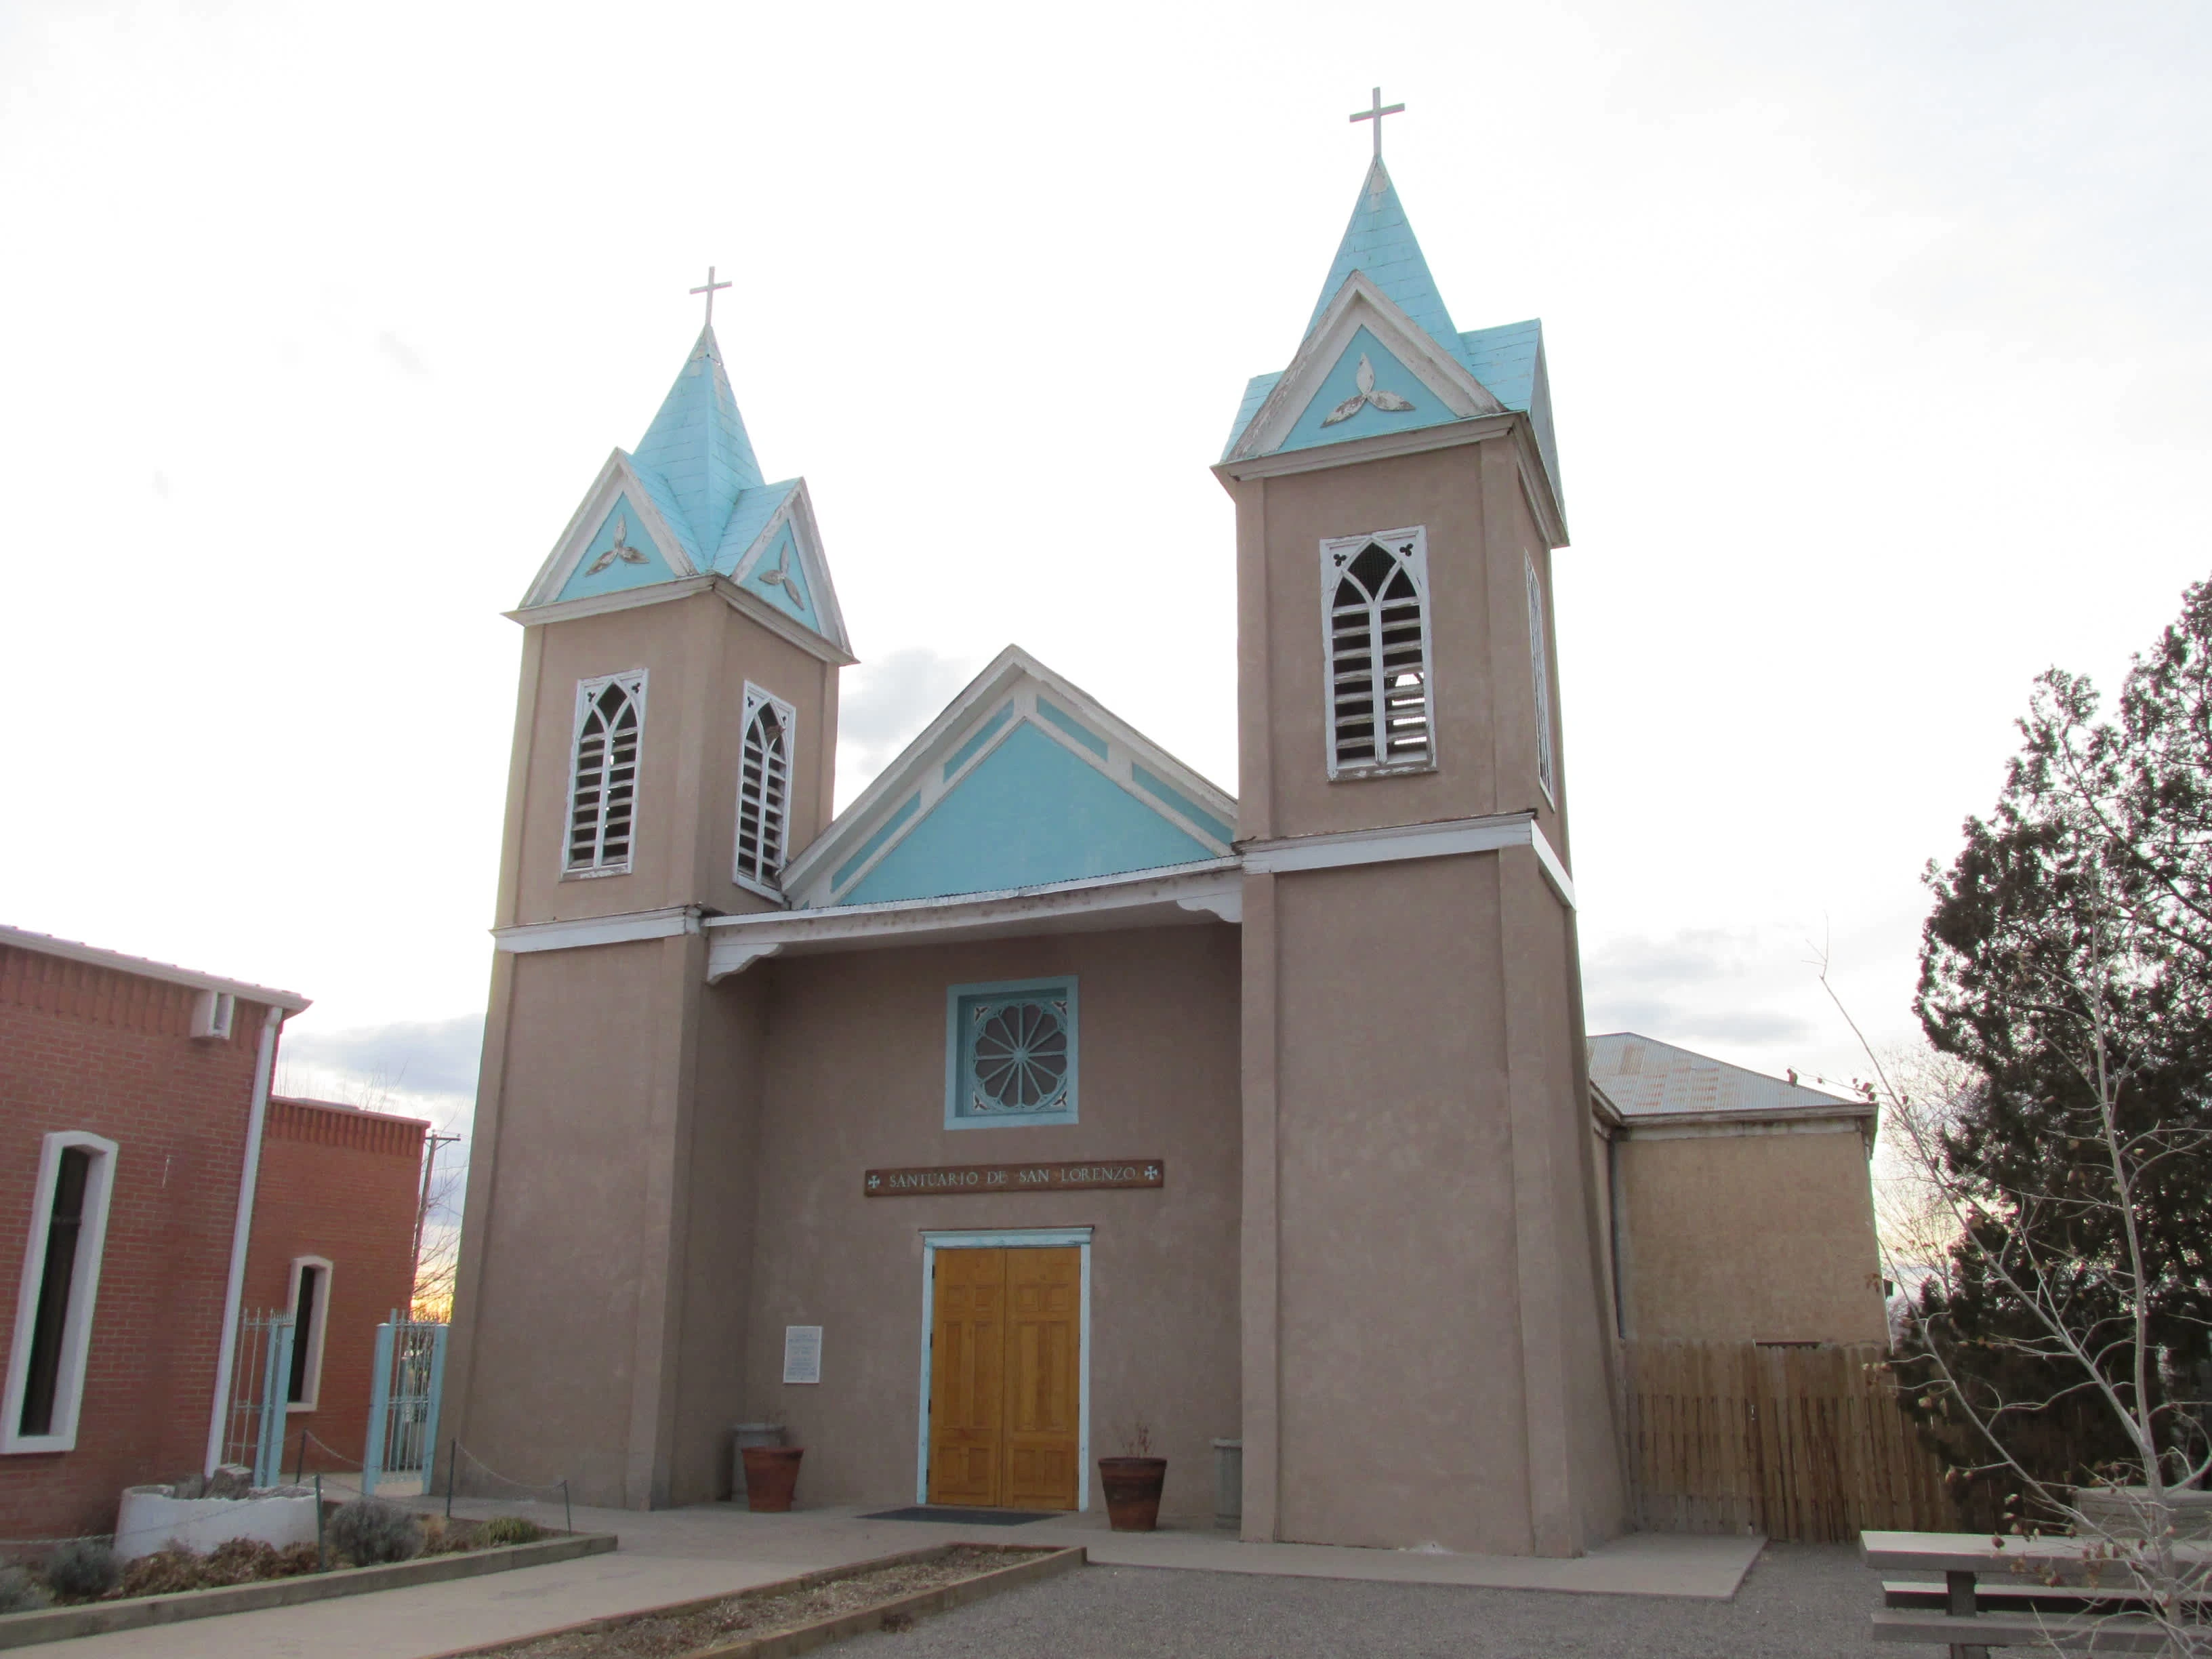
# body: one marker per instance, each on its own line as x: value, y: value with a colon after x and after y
x: 786, y: 1644
x: 23, y: 1630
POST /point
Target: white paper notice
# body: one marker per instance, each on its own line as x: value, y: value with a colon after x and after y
x: 802, y: 1353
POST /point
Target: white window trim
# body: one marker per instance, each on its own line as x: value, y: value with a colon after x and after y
x: 632, y: 680
x: 1034, y: 1238
x: 1540, y: 670
x: 311, y: 1379
x: 756, y: 699
x: 1331, y: 574
x: 212, y: 1015
x: 84, y: 1289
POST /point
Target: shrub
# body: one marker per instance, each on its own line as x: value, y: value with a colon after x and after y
x: 370, y: 1532
x: 18, y: 1594
x: 81, y: 1569
x: 238, y: 1561
x: 510, y: 1529
x: 162, y: 1573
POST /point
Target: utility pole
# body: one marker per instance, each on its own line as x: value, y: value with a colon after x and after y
x: 430, y: 1144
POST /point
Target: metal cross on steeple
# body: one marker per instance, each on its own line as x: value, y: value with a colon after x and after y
x: 711, y: 285
x: 1375, y: 113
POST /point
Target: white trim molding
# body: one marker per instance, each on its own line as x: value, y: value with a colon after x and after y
x: 1211, y: 891
x: 75, y: 1340
x: 667, y: 922
x: 1449, y: 838
x: 1027, y: 1238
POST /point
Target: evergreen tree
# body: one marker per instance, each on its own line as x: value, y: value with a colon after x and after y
x: 2067, y: 960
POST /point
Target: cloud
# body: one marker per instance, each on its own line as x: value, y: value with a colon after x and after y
x: 882, y: 706
x: 408, y: 361
x: 411, y: 1057
x: 1711, y: 985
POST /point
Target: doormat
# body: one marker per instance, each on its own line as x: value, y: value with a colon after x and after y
x: 957, y: 1514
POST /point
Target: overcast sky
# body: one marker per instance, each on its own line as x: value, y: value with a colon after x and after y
x: 1877, y: 336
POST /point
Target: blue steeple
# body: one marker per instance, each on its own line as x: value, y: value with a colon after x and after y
x: 1380, y: 242
x: 698, y: 446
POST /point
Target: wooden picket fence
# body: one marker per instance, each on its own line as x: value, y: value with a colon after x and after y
x: 1801, y: 1443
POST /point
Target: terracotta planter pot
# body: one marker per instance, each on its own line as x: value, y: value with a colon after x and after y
x: 771, y: 1476
x: 1133, y: 1490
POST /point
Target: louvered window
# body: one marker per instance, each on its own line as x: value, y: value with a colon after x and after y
x: 763, y: 789
x: 602, y: 787
x: 1539, y: 661
x: 1375, y: 593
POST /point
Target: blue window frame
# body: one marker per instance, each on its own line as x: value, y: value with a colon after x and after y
x: 1010, y: 1053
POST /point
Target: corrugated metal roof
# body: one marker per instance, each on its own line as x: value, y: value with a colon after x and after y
x: 1644, y: 1077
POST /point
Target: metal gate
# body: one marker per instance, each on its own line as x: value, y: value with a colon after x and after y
x: 402, y: 1403
x: 260, y: 1384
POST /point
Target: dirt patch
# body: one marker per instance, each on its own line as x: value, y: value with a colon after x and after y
x: 751, y: 1614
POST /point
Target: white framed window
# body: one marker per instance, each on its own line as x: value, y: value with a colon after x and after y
x: 764, y: 790
x: 311, y: 1315
x: 1375, y: 645
x: 54, y: 1302
x: 602, y: 773
x: 1539, y: 663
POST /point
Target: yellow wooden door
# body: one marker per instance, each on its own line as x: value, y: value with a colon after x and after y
x: 967, y: 1377
x: 1006, y: 1378
x: 1044, y: 1294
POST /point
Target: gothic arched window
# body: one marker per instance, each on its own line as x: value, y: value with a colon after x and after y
x: 763, y: 789
x: 603, y: 777
x: 1375, y: 592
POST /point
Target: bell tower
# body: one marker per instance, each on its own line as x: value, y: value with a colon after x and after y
x: 1424, y: 1309
x: 675, y: 732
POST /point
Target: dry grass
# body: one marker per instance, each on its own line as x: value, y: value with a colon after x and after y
x: 754, y: 1613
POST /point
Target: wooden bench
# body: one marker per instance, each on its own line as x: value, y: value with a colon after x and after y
x: 2022, y: 1593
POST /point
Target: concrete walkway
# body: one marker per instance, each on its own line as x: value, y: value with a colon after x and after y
x: 673, y: 1555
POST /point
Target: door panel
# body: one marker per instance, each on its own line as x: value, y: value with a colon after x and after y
x: 1006, y: 1378
x: 967, y: 1377
x: 1044, y: 1292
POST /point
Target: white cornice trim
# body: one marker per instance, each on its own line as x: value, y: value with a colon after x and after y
x: 1214, y: 888
x: 1690, y: 1125
x: 1554, y: 871
x: 92, y: 955
x: 1341, y: 849
x: 1535, y: 482
x: 668, y: 922
x: 739, y: 599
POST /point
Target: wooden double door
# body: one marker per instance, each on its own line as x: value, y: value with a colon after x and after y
x: 1006, y: 1378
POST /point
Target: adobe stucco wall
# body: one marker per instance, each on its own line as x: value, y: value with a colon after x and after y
x: 85, y: 1049
x: 342, y: 1185
x: 856, y: 1079
x: 1750, y: 1237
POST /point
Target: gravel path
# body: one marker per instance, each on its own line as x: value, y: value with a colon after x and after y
x: 1800, y: 1601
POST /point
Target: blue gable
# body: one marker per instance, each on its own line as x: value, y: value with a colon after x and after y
x: 622, y: 556
x: 1030, y: 812
x: 1399, y: 401
x: 777, y: 577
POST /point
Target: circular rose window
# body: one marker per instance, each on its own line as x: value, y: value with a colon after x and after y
x: 1021, y: 1056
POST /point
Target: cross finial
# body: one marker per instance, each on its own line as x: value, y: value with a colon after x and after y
x: 709, y: 290
x: 1375, y: 113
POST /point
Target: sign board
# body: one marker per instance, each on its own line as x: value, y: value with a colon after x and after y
x: 802, y: 1353
x: 1097, y: 1175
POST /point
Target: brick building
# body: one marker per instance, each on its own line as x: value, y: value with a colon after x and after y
x: 333, y: 1244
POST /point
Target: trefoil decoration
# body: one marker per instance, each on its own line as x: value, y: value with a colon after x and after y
x: 621, y: 549
x: 781, y: 576
x: 1368, y: 393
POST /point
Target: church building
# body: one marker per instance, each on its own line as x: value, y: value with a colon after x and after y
x: 1049, y: 1096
